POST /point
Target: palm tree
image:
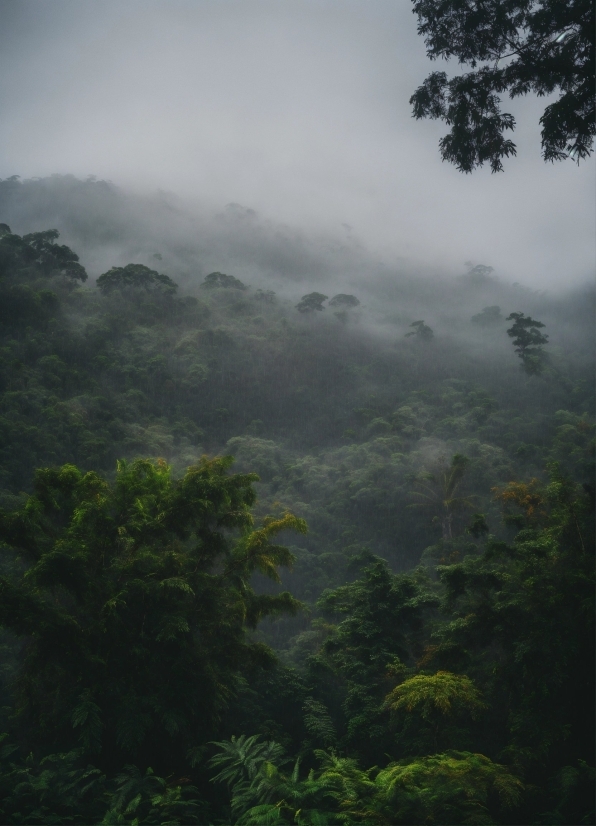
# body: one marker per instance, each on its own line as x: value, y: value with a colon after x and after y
x: 439, y: 493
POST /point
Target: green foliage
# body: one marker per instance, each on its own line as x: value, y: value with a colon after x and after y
x: 438, y: 492
x: 139, y: 607
x: 27, y: 266
x: 136, y: 277
x: 528, y: 341
x: 478, y: 526
x: 319, y: 724
x: 146, y: 798
x: 528, y: 601
x: 130, y: 581
x: 379, y: 638
x: 442, y: 693
x: 63, y: 788
x: 437, y: 700
x: 517, y: 48
x: 241, y: 758
x: 220, y: 279
x: 38, y: 254
x: 261, y: 793
x: 454, y: 787
x: 311, y: 302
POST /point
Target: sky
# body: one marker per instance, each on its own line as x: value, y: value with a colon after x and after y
x: 298, y: 109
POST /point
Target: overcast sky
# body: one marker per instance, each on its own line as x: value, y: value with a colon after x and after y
x: 298, y: 109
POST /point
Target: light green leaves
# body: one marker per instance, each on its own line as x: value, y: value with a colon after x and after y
x: 241, y: 758
x: 442, y: 692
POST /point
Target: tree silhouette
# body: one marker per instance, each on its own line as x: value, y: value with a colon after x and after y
x: 516, y: 47
x: 439, y: 492
x: 421, y: 330
x: 528, y: 341
x: 136, y: 277
x: 311, y: 302
x: 220, y: 279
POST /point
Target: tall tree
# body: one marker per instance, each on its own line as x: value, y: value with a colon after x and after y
x: 137, y: 276
x: 134, y: 605
x: 528, y: 342
x: 514, y: 46
x: 439, y: 493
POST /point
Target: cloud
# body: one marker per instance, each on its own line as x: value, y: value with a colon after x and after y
x: 296, y: 110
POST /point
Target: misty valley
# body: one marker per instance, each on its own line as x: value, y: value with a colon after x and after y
x: 289, y: 535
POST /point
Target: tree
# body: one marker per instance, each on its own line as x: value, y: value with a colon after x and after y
x: 378, y: 637
x: 478, y: 275
x: 421, y: 330
x: 435, y: 699
x: 311, y: 302
x: 518, y: 47
x: 521, y: 622
x: 220, y: 279
x: 267, y: 296
x: 488, y: 316
x: 478, y: 527
x: 343, y: 300
x: 455, y: 787
x: 439, y: 492
x: 134, y: 605
x: 137, y: 277
x: 528, y: 341
x: 37, y: 253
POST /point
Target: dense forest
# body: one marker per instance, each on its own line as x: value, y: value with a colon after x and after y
x: 288, y: 535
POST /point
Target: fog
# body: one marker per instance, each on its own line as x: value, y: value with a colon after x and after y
x: 270, y: 137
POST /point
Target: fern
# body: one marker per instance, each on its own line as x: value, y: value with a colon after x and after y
x: 319, y: 723
x: 241, y: 758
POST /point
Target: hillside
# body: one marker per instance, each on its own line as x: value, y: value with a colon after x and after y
x: 444, y: 480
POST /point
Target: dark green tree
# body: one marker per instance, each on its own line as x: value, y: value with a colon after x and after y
x: 378, y: 638
x: 528, y: 342
x: 517, y: 47
x: 440, y: 493
x: 136, y: 276
x: 520, y: 623
x: 134, y: 606
x: 478, y: 527
x: 37, y: 254
x: 220, y: 279
x: 311, y: 302
x: 421, y: 330
x: 478, y: 274
x: 430, y: 704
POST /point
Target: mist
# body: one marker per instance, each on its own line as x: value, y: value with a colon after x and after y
x: 296, y: 112
x: 296, y: 428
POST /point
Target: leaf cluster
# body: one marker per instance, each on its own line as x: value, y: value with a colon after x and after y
x: 516, y: 47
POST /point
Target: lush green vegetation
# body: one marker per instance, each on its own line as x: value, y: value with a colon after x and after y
x: 428, y: 656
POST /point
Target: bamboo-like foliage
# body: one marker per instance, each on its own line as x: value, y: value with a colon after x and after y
x: 135, y: 601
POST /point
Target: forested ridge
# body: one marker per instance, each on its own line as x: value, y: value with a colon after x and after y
x: 286, y: 549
